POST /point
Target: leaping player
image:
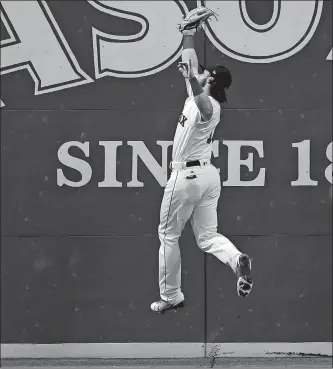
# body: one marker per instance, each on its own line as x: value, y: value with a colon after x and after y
x: 194, y: 187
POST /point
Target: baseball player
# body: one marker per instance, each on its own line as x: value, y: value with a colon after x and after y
x: 193, y: 190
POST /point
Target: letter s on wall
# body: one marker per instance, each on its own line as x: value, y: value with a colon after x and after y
x: 153, y: 49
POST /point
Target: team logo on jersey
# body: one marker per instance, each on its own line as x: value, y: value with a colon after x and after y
x: 182, y: 120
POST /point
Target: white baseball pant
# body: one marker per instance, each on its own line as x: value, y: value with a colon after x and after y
x: 195, y: 199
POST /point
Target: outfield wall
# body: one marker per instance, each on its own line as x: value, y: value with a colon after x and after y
x: 90, y: 103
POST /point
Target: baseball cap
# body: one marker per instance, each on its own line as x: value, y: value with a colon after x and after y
x: 221, y: 74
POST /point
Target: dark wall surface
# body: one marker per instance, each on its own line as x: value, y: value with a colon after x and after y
x: 79, y: 261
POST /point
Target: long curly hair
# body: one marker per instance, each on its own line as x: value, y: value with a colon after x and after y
x: 222, y: 81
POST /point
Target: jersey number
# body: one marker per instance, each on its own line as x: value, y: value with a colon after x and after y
x: 182, y: 120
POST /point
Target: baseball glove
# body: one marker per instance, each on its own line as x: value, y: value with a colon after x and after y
x: 195, y: 19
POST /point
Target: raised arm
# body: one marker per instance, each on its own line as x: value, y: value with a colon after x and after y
x: 200, y: 97
x: 189, y: 51
x: 202, y: 100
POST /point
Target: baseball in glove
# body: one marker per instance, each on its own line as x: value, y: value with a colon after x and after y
x: 195, y: 19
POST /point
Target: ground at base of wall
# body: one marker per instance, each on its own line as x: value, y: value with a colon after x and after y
x: 270, y: 363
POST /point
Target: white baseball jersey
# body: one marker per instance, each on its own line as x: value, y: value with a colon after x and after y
x: 191, y: 194
x: 193, y: 137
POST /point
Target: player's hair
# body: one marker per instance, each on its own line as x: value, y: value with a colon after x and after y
x: 218, y: 93
x: 222, y: 81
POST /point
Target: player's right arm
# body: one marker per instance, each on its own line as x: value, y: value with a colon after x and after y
x: 188, y: 54
x: 201, y: 99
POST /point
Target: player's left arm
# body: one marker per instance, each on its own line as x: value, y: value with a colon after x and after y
x: 201, y: 99
x: 188, y: 54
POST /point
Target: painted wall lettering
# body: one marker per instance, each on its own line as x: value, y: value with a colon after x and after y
x: 304, y: 169
x: 154, y: 48
x: 110, y: 171
x: 237, y: 36
x: 38, y: 46
x: 141, y: 151
x: 70, y: 161
x: 328, y: 171
x: 235, y: 162
x: 160, y: 170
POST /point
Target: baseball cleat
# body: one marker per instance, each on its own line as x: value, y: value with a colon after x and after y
x: 162, y: 306
x: 244, y: 282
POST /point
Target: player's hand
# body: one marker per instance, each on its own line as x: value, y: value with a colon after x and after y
x: 196, y: 18
x: 186, y: 69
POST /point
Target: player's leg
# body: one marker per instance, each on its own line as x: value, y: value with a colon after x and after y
x: 204, y: 224
x: 176, y: 209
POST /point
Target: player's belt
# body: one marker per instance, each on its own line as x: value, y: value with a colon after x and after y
x: 189, y: 164
x: 195, y: 163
